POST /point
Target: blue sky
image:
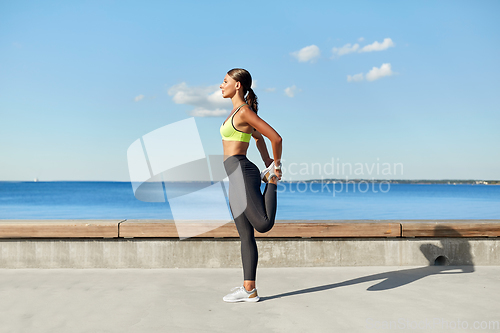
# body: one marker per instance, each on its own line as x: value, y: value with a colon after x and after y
x: 80, y: 81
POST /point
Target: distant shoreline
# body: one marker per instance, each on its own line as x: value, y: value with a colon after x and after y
x: 408, y: 181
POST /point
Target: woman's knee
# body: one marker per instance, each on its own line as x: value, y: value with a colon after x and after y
x: 264, y: 227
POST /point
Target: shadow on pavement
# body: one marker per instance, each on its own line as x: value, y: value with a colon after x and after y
x: 454, y: 253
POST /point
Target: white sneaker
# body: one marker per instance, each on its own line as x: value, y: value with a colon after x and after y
x: 267, y: 173
x: 240, y: 294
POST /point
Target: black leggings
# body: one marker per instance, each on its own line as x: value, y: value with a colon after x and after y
x: 259, y: 210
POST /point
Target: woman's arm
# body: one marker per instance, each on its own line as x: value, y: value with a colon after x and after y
x: 260, y: 125
x: 261, y: 146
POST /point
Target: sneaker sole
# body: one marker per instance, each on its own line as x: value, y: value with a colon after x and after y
x: 251, y: 300
x: 264, y: 178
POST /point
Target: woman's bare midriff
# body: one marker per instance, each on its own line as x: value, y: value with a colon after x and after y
x: 234, y: 148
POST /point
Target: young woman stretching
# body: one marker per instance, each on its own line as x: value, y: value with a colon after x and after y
x: 260, y: 209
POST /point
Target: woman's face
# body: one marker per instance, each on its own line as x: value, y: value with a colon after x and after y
x: 229, y: 87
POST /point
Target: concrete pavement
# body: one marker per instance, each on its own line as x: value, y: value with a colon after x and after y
x: 312, y: 299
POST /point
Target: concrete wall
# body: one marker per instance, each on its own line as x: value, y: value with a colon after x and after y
x: 292, y: 252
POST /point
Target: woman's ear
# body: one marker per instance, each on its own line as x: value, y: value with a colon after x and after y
x: 237, y: 85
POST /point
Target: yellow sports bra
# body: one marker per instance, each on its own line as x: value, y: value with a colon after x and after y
x: 230, y: 133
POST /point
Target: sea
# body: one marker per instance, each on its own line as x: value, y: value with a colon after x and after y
x: 297, y: 201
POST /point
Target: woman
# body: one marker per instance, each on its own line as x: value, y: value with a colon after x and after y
x: 259, y: 209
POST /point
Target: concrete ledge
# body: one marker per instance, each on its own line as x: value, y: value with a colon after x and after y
x: 210, y: 253
x: 83, y: 244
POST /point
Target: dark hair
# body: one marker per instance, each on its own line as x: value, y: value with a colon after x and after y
x: 244, y: 77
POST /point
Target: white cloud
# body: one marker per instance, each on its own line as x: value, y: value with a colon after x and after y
x: 208, y: 101
x: 270, y: 89
x: 374, y: 74
x: 308, y: 53
x: 355, y: 77
x: 346, y: 49
x: 138, y: 98
x: 291, y: 91
x: 377, y: 73
x: 376, y: 46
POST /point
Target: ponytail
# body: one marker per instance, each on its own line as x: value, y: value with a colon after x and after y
x: 251, y: 99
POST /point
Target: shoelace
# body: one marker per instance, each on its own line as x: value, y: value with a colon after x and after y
x: 236, y: 289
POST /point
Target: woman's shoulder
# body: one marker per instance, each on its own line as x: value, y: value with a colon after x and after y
x: 247, y: 115
x: 246, y: 109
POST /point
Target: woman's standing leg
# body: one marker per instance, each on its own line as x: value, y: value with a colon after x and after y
x: 235, y: 167
x: 249, y: 254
